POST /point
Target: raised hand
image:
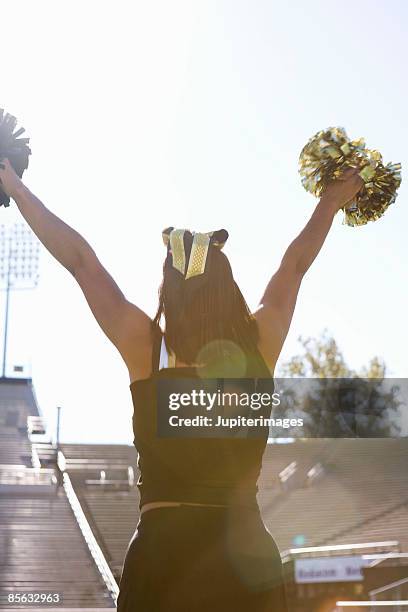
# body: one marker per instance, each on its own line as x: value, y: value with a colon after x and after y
x: 9, y: 181
x: 343, y: 189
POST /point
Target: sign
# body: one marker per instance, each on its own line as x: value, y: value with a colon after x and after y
x: 330, y: 569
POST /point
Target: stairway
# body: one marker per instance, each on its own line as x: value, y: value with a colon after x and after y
x: 43, y: 550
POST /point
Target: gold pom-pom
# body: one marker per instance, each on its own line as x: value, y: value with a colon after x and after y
x: 325, y: 157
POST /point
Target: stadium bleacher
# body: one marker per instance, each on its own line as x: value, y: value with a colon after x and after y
x: 115, y: 515
x: 42, y: 548
x: 14, y: 447
x: 392, y: 524
x: 362, y: 480
x: 312, y: 493
x: 44, y: 551
x: 111, y: 507
x: 17, y: 402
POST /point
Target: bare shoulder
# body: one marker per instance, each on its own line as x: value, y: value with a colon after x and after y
x: 126, y: 325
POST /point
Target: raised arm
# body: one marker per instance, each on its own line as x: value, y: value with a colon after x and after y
x: 278, y: 302
x: 126, y: 326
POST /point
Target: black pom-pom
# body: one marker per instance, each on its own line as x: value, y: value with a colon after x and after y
x: 15, y: 149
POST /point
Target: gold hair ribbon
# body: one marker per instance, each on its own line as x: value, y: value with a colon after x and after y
x: 177, y: 250
x: 198, y: 254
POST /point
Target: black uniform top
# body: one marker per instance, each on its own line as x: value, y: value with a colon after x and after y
x: 222, y: 470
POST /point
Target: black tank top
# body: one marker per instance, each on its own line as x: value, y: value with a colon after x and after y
x: 196, y: 470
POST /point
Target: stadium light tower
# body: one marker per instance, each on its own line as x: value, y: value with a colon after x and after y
x: 19, y: 255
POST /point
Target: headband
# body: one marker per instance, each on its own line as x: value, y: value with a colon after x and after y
x: 174, y: 240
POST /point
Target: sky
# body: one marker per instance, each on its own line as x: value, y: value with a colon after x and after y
x: 144, y: 115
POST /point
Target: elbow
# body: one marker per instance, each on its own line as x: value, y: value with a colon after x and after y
x: 301, y: 267
x: 75, y: 266
x: 300, y: 264
x: 295, y: 264
x: 84, y: 256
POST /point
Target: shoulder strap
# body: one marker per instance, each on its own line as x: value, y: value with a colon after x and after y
x: 167, y: 358
x: 163, y: 357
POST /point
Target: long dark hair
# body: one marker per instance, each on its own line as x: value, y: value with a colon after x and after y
x: 206, y: 317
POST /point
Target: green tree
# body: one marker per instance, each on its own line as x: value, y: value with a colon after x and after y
x: 322, y: 358
x: 341, y: 402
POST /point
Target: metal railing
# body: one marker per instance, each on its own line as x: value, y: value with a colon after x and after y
x: 35, y: 425
x: 22, y: 475
x: 287, y: 472
x: 396, y: 605
x: 90, y: 539
x: 397, y: 586
x: 93, y: 464
x: 313, y: 551
x: 104, y: 482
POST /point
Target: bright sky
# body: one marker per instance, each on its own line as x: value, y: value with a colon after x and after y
x: 148, y: 114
